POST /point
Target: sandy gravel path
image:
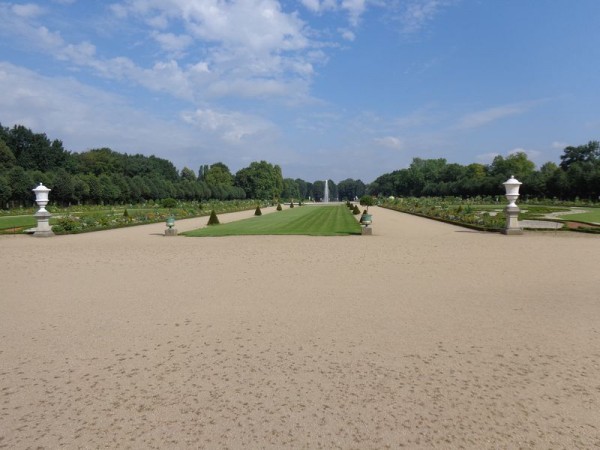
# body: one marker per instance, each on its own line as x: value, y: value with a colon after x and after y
x: 424, y: 335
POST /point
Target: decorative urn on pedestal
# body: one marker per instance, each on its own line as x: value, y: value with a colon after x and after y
x: 170, y: 231
x: 511, y: 211
x: 366, y: 219
x: 43, y: 228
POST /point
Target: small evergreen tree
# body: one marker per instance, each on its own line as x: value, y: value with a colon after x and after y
x: 292, y: 204
x: 356, y: 211
x: 279, y: 208
x: 213, y: 219
x: 258, y: 212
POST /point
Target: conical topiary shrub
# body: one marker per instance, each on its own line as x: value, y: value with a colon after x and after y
x: 291, y: 204
x: 356, y: 211
x: 213, y: 219
x: 258, y: 212
x: 279, y: 208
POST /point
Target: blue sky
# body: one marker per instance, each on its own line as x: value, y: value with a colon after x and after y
x: 324, y: 88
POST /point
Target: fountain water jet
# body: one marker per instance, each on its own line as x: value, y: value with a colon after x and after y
x: 326, y: 193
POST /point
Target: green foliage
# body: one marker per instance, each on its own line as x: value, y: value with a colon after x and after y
x: 218, y: 174
x: 168, y: 202
x: 213, y: 219
x: 292, y: 204
x: 125, y: 213
x: 258, y: 212
x: 355, y: 210
x: 582, y: 153
x: 367, y: 200
x: 260, y: 180
x: 279, y: 208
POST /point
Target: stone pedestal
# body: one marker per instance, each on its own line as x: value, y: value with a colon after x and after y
x: 43, y: 227
x: 366, y: 231
x: 171, y: 232
x: 512, y: 221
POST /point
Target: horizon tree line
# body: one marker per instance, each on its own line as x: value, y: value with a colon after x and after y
x: 104, y: 176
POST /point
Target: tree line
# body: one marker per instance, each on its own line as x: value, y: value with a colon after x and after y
x: 104, y: 176
x: 577, y: 176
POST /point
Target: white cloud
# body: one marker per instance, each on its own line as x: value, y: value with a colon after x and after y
x: 27, y: 10
x: 417, y: 13
x: 319, y: 5
x: 173, y: 43
x: 559, y: 145
x: 390, y: 142
x: 355, y: 9
x: 84, y: 118
x: 347, y: 34
x: 233, y: 127
x: 483, y: 117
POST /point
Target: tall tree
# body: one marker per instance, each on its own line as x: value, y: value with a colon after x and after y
x: 581, y: 153
x: 218, y: 174
x: 260, y: 180
x: 7, y: 157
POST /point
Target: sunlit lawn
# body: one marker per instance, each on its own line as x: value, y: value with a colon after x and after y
x: 11, y: 222
x: 592, y: 215
x: 305, y: 220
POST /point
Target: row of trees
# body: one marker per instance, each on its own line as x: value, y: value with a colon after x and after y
x: 577, y: 176
x: 105, y: 176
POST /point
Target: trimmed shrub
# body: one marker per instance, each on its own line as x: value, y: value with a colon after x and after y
x: 356, y: 211
x: 125, y: 213
x: 168, y: 203
x: 258, y: 212
x: 279, y: 208
x: 291, y: 204
x: 213, y: 219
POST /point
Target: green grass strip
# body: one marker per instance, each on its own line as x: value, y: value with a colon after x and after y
x: 17, y: 222
x: 305, y: 220
x: 592, y: 215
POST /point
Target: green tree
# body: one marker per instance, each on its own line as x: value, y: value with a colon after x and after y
x: 516, y: 164
x: 34, y: 151
x: 5, y: 191
x: 261, y: 180
x: 582, y: 153
x: 7, y: 158
x: 218, y: 174
x: 290, y: 189
x: 63, y: 187
x: 188, y: 174
x: 21, y: 184
x: 348, y: 189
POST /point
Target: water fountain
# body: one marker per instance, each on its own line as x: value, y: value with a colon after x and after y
x: 326, y: 193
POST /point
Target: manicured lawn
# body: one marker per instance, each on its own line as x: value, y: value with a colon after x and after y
x: 592, y: 215
x: 10, y: 222
x: 305, y: 220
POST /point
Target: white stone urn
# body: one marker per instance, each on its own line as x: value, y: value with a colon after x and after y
x: 41, y: 196
x: 43, y: 216
x: 511, y: 211
x: 512, y: 186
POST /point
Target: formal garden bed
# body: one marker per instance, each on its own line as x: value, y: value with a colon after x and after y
x: 81, y: 219
x: 486, y: 214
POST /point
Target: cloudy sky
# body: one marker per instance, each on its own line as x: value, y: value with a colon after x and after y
x: 324, y: 88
